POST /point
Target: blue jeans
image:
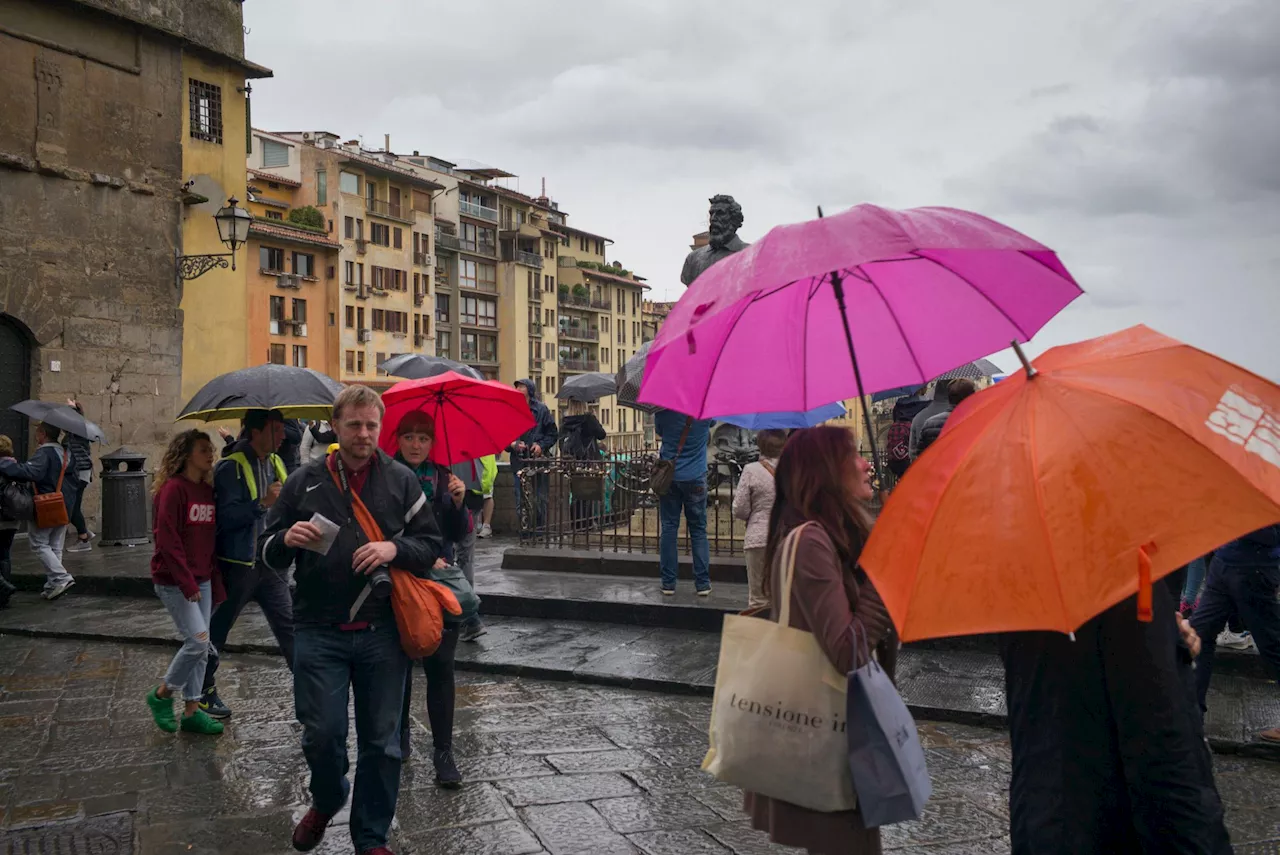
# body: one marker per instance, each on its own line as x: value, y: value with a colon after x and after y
x: 690, y: 497
x: 1196, y: 572
x: 1245, y: 589
x: 270, y: 590
x: 326, y: 661
x: 186, y: 671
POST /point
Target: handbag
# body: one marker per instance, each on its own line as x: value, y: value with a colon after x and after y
x: 778, y: 714
x: 16, y: 501
x: 664, y: 471
x: 886, y: 760
x: 51, y: 508
x: 455, y: 580
x: 418, y: 604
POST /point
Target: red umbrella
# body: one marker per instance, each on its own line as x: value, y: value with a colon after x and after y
x: 473, y: 417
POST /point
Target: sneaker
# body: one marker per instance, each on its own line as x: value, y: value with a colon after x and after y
x: 212, y: 705
x: 668, y: 592
x: 80, y: 546
x: 472, y: 631
x: 309, y: 831
x: 162, y: 711
x: 1235, y: 641
x: 447, y: 774
x: 200, y: 722
x: 485, y: 531
x: 58, y: 590
x: 704, y: 592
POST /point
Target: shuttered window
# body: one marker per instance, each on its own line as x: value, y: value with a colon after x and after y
x: 274, y: 153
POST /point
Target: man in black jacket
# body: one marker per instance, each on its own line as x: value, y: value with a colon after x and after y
x: 346, y: 635
x: 47, y: 468
x: 532, y: 444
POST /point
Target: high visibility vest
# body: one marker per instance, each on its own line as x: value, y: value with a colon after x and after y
x: 246, y: 470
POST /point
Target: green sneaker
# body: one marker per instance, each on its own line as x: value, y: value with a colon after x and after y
x: 162, y: 711
x: 201, y: 722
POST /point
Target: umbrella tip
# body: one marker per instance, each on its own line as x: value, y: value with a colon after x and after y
x: 819, y: 212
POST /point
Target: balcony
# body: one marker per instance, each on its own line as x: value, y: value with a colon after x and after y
x: 531, y: 259
x: 362, y: 246
x: 567, y: 298
x: 579, y: 365
x: 446, y: 241
x: 470, y: 356
x: 389, y: 211
x: 580, y: 333
x: 479, y: 285
x: 475, y: 209
x: 422, y: 259
x: 418, y: 298
x: 478, y: 247
x: 535, y: 364
x: 442, y: 318
x: 478, y: 321
x: 566, y: 261
x: 535, y: 328
x: 605, y: 305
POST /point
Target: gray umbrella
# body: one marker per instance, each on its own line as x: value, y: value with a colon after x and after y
x: 417, y: 366
x: 587, y: 387
x: 60, y: 416
x: 628, y: 380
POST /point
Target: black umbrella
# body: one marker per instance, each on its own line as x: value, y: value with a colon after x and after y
x: 296, y: 393
x: 587, y: 387
x: 60, y: 416
x: 628, y: 380
x: 417, y: 366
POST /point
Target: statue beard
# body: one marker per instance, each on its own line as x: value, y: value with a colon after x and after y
x: 721, y: 236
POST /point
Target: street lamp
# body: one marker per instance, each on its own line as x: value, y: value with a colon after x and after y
x: 233, y: 230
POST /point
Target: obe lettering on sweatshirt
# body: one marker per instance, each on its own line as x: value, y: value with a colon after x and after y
x: 200, y: 514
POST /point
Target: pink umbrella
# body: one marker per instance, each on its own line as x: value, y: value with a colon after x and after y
x: 920, y: 291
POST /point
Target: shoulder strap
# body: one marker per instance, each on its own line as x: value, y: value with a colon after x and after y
x: 368, y: 524
x: 684, y: 434
x: 768, y: 467
x: 790, y: 546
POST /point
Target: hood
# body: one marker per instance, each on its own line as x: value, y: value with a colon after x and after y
x: 940, y: 390
x: 532, y: 387
x: 571, y: 422
x: 241, y: 445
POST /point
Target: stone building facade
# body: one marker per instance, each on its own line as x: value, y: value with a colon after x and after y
x: 92, y: 98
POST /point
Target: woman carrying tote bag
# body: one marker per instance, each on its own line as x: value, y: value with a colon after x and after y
x: 821, y: 480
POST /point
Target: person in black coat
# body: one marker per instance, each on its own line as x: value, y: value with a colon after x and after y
x: 534, y: 443
x: 46, y: 469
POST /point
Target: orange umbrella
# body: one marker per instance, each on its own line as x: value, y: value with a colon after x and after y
x: 1061, y: 491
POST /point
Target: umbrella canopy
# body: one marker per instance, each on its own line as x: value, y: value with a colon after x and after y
x: 787, y: 421
x: 473, y: 417
x: 971, y: 371
x: 896, y: 392
x: 1048, y: 499
x: 587, y: 387
x: 916, y: 292
x: 62, y: 417
x: 417, y: 366
x: 296, y: 393
x: 629, y: 378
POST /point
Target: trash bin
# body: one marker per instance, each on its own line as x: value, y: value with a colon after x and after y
x: 125, y: 504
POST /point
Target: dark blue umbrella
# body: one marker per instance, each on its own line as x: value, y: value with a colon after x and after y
x: 786, y: 420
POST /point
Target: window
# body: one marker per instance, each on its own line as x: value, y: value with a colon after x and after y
x: 359, y: 274
x: 333, y: 319
x: 274, y: 215
x: 322, y: 188
x: 397, y: 239
x: 359, y: 361
x: 380, y: 234
x: 489, y: 348
x: 604, y: 417
x: 274, y: 153
x: 488, y: 277
x: 359, y: 229
x: 442, y: 308
x: 277, y: 310
x: 349, y: 182
x: 564, y: 240
x: 304, y: 264
x: 470, y: 347
x: 360, y: 318
x: 467, y: 273
x: 299, y: 311
x: 548, y: 249
x: 442, y: 342
x: 275, y: 354
x: 622, y: 333
x: 376, y: 322
x: 370, y: 190
x: 582, y: 244
x: 378, y: 359
x: 604, y: 324
x: 299, y: 356
x: 349, y: 228
x: 350, y: 317
x: 349, y: 272
x: 551, y: 284
x: 271, y: 259
x: 206, y: 111
x: 604, y: 355
x: 351, y: 361
x: 481, y: 313
x: 599, y: 247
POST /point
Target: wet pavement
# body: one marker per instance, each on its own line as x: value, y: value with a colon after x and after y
x: 551, y: 768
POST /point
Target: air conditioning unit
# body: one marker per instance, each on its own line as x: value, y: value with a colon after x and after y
x: 289, y: 280
x: 300, y: 329
x: 306, y: 135
x: 275, y: 327
x: 366, y: 336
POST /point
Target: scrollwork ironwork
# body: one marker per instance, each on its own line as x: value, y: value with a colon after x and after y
x: 194, y: 266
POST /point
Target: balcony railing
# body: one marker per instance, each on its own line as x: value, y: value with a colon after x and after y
x: 481, y: 358
x: 475, y: 209
x: 532, y: 259
x: 391, y: 211
x: 606, y: 305
x: 419, y: 297
x: 444, y: 240
x: 362, y: 246
x: 569, y: 299
x: 478, y: 321
x: 581, y: 333
x: 535, y: 363
x: 479, y: 247
x: 535, y: 328
x: 479, y: 285
x: 579, y: 365
x: 566, y: 261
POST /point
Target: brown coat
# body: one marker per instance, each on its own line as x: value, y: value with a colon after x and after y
x: 825, y: 598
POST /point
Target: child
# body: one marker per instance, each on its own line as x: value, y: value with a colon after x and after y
x: 753, y: 502
x: 184, y: 570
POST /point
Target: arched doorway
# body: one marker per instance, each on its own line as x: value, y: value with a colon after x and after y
x: 15, y: 381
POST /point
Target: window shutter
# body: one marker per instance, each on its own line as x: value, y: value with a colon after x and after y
x: 274, y: 153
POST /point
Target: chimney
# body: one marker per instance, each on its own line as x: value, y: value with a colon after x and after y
x: 386, y: 142
x: 544, y: 187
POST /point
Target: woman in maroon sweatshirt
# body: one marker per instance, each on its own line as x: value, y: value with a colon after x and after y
x: 185, y: 574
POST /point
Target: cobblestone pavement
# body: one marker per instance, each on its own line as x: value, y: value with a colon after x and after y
x: 551, y: 767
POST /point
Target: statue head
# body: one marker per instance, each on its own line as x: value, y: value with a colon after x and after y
x: 725, y: 220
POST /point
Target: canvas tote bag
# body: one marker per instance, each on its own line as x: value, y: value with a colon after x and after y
x: 778, y: 715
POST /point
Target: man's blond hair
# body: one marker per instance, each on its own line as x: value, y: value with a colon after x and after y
x: 354, y: 397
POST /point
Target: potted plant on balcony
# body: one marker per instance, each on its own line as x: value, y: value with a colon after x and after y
x: 580, y: 291
x: 564, y: 290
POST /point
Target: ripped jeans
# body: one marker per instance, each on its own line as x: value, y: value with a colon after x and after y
x: 186, y: 671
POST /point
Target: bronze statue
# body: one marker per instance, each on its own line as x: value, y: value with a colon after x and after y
x: 725, y: 220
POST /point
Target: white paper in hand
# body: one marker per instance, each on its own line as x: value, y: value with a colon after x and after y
x: 328, y: 532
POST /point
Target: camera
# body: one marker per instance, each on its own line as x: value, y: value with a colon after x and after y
x: 380, y: 581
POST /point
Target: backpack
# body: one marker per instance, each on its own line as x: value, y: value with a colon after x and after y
x: 898, y: 447
x: 17, y: 501
x: 574, y: 446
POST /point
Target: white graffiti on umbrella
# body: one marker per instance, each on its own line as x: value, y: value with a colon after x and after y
x: 1246, y: 421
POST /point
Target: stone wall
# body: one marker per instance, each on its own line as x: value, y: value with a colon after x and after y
x: 90, y: 177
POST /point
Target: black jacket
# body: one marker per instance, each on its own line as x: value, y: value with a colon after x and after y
x: 1108, y: 746
x: 543, y: 433
x: 327, y: 586
x: 291, y: 449
x: 580, y: 435
x: 43, y: 469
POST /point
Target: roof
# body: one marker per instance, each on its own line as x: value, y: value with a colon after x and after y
x: 279, y: 179
x: 565, y: 227
x: 284, y: 231
x: 369, y: 164
x: 621, y: 280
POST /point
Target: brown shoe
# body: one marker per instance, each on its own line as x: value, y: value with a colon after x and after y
x: 308, y: 833
x: 1272, y: 735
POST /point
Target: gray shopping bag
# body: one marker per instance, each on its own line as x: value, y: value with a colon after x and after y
x: 886, y: 760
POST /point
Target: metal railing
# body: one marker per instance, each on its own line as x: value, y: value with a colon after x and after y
x: 582, y: 333
x: 444, y: 240
x: 479, y: 247
x: 535, y: 328
x: 475, y: 209
x: 391, y: 211
x: 532, y: 259
x: 567, y: 298
x: 579, y: 364
x: 607, y: 505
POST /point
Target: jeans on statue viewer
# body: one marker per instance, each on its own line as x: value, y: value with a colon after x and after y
x: 689, y: 497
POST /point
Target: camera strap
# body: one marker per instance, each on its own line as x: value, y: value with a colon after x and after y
x: 363, y: 518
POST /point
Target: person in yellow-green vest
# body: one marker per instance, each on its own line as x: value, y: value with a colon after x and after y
x: 246, y: 483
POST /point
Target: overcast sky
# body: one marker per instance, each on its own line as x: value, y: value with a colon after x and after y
x: 1140, y: 139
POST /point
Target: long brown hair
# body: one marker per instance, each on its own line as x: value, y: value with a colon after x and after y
x: 814, y: 483
x: 176, y: 456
